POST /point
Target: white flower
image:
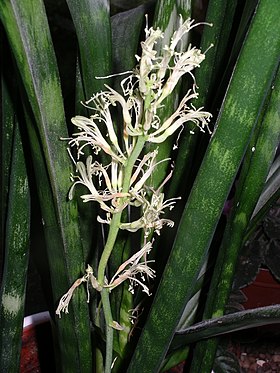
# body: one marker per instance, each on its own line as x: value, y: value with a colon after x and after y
x: 144, y: 92
x: 133, y: 266
x: 94, y: 173
x: 125, y: 179
x: 91, y: 135
x: 152, y: 211
x: 147, y: 83
x: 184, y: 63
x: 183, y: 114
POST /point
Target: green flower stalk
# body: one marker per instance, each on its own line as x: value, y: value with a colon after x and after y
x: 125, y: 182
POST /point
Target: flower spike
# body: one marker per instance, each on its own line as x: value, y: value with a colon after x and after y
x: 113, y: 163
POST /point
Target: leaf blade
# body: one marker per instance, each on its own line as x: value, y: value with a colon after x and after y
x: 211, y: 188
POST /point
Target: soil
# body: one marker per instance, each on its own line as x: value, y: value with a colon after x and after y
x: 262, y: 356
x: 257, y: 350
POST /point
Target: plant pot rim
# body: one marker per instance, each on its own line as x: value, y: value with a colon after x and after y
x: 36, y: 319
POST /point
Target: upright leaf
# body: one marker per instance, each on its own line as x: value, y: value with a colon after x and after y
x: 29, y: 36
x: 249, y: 85
x: 17, y: 241
x: 256, y: 165
x: 93, y: 28
x: 215, y: 39
x: 166, y: 18
x: 6, y: 134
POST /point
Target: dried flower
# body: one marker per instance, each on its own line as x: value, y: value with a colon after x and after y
x: 65, y: 299
x: 132, y: 267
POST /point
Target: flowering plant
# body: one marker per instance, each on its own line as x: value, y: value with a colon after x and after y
x: 142, y: 254
x: 127, y: 179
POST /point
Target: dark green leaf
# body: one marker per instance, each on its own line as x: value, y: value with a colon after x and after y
x: 93, y: 28
x: 231, y: 323
x: 126, y: 30
x: 226, y: 362
x: 29, y: 36
x: 255, y: 168
x: 239, y: 113
x: 272, y: 258
x: 250, y: 260
x: 17, y: 241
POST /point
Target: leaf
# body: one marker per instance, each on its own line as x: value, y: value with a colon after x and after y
x: 128, y: 4
x: 29, y: 37
x: 224, y: 325
x: 175, y: 358
x: 233, y: 322
x: 225, y: 152
x: 268, y: 198
x: 6, y: 133
x: 126, y: 30
x: 221, y: 15
x: 272, y: 258
x: 255, y: 168
x: 17, y: 241
x: 93, y: 29
x: 271, y: 227
x: 226, y: 361
x: 250, y: 260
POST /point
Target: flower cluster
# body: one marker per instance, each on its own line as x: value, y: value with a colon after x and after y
x: 125, y: 177
x: 143, y: 93
x: 127, y: 271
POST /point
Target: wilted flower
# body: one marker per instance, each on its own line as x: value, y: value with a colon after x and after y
x: 65, y: 299
x: 131, y: 268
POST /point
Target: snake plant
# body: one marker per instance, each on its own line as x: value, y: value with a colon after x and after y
x: 131, y: 137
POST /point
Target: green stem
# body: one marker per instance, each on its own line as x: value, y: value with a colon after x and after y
x: 109, y: 330
x: 115, y: 222
x: 112, y: 236
x: 113, y: 232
